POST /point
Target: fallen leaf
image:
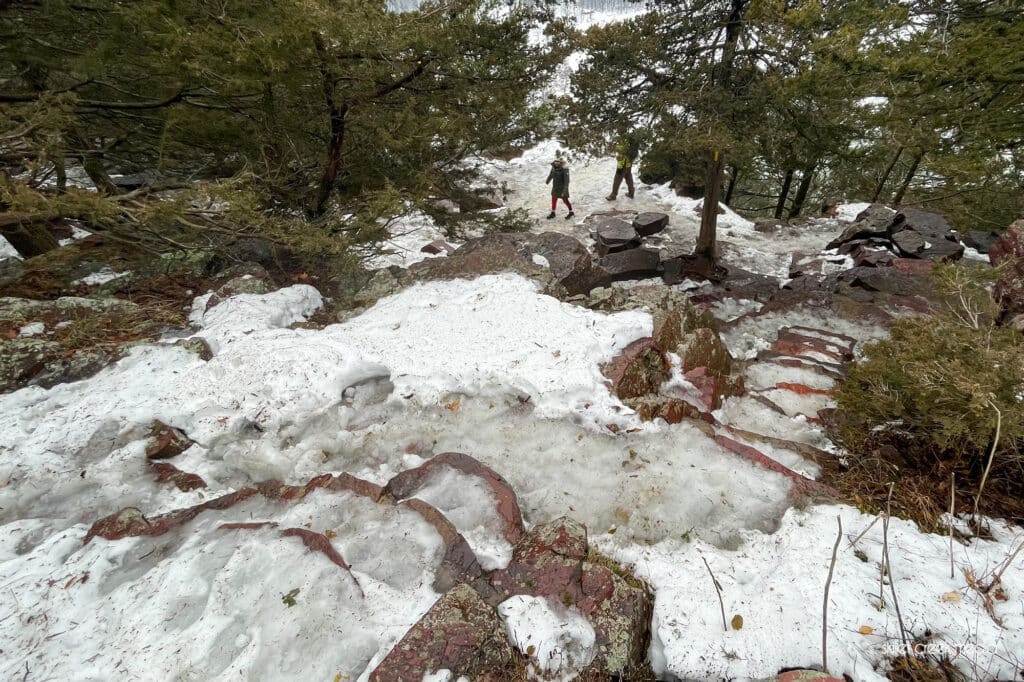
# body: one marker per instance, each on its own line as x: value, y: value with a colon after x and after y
x: 865, y: 629
x: 454, y: 405
x: 951, y: 597
x: 737, y: 622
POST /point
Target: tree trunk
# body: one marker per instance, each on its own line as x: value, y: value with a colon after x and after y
x: 337, y: 114
x: 732, y: 185
x: 780, y: 207
x: 886, y: 174
x: 898, y: 199
x: 62, y: 174
x: 706, y: 246
x: 806, y: 178
x: 30, y: 239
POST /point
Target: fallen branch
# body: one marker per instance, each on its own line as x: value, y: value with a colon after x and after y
x: 718, y: 589
x: 824, y: 605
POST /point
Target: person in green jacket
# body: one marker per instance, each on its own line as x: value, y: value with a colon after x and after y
x: 626, y: 153
x: 559, y: 180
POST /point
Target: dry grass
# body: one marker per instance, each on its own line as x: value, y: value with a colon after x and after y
x: 909, y: 669
x: 110, y: 330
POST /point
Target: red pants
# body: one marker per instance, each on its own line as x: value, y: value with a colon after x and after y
x: 554, y: 203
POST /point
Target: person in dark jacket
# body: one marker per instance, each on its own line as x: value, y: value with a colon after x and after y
x: 626, y: 153
x: 559, y: 179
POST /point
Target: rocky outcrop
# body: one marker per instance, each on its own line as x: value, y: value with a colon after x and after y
x: 909, y: 233
x: 1008, y: 252
x: 639, y: 370
x: 166, y: 441
x: 613, y: 235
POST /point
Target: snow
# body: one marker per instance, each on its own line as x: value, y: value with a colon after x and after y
x: 408, y: 235
x: 559, y: 641
x: 776, y: 582
x: 6, y: 250
x: 540, y: 260
x: 465, y: 336
x: 32, y: 329
x: 849, y: 212
x: 100, y: 277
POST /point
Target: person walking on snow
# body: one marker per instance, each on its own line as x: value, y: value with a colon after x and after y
x: 626, y: 154
x: 559, y: 179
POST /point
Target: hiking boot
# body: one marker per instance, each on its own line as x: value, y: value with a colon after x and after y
x: 570, y: 215
x: 630, y: 195
x: 551, y: 215
x: 610, y: 197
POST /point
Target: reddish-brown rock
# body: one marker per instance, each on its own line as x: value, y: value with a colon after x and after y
x: 166, y: 441
x: 185, y: 482
x: 460, y: 633
x: 639, y: 370
x: 406, y: 484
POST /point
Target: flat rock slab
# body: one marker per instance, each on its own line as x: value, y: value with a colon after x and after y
x: 631, y: 264
x: 614, y: 235
x: 650, y: 223
x: 460, y: 633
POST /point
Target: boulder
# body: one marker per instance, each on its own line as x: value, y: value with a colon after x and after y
x: 197, y: 345
x: 980, y: 240
x: 874, y: 221
x: 613, y: 235
x: 437, y: 247
x: 649, y: 223
x: 639, y: 370
x: 553, y: 561
x: 460, y: 633
x: 631, y: 264
x: 166, y: 441
x: 571, y: 267
x: 1008, y: 252
x: 938, y: 241
x: 704, y: 348
x: 909, y: 243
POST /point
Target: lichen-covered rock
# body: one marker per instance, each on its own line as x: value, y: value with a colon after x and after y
x: 460, y: 633
x: 197, y: 345
x: 640, y: 369
x: 166, y: 441
x: 552, y: 561
x: 704, y: 348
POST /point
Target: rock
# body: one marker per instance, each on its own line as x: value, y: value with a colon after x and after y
x: 243, y: 284
x: 166, y: 441
x: 62, y: 370
x: 613, y: 235
x: 185, y: 482
x: 677, y: 269
x: 552, y: 561
x: 672, y: 410
x: 197, y: 345
x: 909, y: 243
x: 11, y: 270
x: 874, y: 221
x: 802, y: 265
x: 407, y: 483
x: 708, y: 386
x: 767, y: 225
x: 570, y: 263
x: 459, y: 563
x: 647, y: 224
x: 912, y: 266
x: 631, y: 264
x: 273, y: 257
x: 640, y: 369
x: 866, y: 257
x: 383, y: 282
x: 1008, y: 252
x: 886, y: 280
x: 704, y: 348
x: 460, y: 633
x: 21, y: 359
x: 979, y: 240
x: 438, y: 246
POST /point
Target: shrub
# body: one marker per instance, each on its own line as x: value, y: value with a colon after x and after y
x: 932, y: 396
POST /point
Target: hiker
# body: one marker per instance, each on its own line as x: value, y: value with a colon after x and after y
x: 559, y: 179
x: 626, y: 153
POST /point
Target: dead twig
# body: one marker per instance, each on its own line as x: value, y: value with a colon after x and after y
x: 824, y: 605
x: 718, y: 589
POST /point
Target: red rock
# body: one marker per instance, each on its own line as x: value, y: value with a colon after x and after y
x: 640, y: 369
x: 913, y: 266
x: 708, y: 385
x: 166, y: 441
x: 185, y: 482
x: 801, y: 389
x: 406, y: 483
x: 318, y: 542
x: 807, y: 676
x: 438, y: 246
x: 460, y: 633
x: 459, y: 563
x: 801, y: 484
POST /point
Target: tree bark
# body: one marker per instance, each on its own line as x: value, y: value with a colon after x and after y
x: 735, y: 172
x: 806, y: 178
x: 29, y: 239
x: 787, y: 182
x: 898, y: 199
x: 337, y: 114
x: 886, y: 174
x: 706, y: 245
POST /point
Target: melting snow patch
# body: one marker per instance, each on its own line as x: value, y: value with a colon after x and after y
x: 559, y: 641
x: 100, y: 277
x: 849, y: 212
x: 540, y: 260
x: 32, y: 329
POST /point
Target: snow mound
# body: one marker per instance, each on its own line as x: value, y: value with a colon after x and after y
x: 560, y: 642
